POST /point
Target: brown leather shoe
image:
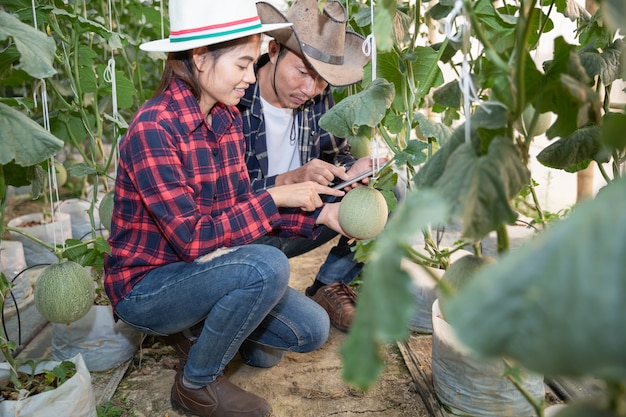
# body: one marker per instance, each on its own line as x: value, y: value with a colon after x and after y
x: 220, y: 398
x: 339, y: 301
x: 181, y: 345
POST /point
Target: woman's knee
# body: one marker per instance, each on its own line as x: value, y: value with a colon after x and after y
x: 269, y: 262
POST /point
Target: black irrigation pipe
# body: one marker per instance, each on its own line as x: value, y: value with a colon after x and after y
x: 20, y: 346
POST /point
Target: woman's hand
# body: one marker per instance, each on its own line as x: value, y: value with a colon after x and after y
x: 305, y: 195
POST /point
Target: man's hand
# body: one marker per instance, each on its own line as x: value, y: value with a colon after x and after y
x: 329, y: 217
x: 315, y: 170
x: 362, y: 165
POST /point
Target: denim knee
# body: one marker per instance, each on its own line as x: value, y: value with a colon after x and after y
x: 255, y: 354
x: 314, y: 332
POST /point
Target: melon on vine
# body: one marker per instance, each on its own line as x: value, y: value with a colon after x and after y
x: 105, y: 210
x: 64, y: 292
x: 544, y: 121
x: 460, y: 272
x: 363, y: 212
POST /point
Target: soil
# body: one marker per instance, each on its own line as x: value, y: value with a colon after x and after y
x: 301, y: 385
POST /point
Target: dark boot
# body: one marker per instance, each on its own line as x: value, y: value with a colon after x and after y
x: 220, y: 398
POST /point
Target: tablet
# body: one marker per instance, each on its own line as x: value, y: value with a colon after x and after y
x: 351, y: 181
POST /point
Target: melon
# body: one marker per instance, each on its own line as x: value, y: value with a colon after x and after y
x: 363, y: 212
x: 105, y: 210
x: 61, y: 174
x: 360, y: 146
x: 460, y: 272
x: 64, y: 292
x: 544, y: 121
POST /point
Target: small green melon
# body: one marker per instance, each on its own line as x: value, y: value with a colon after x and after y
x: 360, y: 146
x: 460, y: 272
x: 61, y: 174
x: 105, y: 210
x: 64, y: 292
x: 544, y: 121
x: 363, y: 212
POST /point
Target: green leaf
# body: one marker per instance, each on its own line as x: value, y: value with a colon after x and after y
x: 480, y: 188
x: 614, y: 14
x: 385, y: 301
x: 575, y: 150
x: 383, y: 24
x: 36, y: 49
x: 365, y: 108
x: 605, y: 64
x: 613, y: 128
x: 489, y: 116
x: 23, y: 140
x: 432, y: 129
x: 566, y: 92
x: 556, y: 304
x: 413, y: 154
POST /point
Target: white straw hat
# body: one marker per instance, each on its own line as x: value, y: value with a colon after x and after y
x: 196, y: 23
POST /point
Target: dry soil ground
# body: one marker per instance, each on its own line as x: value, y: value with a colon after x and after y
x: 301, y: 385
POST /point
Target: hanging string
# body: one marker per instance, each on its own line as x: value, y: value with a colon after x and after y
x: 52, y: 175
x: 465, y: 81
x: 109, y: 76
x: 369, y: 49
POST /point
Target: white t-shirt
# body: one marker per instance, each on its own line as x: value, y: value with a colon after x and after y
x: 282, y: 144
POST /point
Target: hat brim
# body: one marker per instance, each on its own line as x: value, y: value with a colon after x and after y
x: 350, y: 72
x: 165, y: 45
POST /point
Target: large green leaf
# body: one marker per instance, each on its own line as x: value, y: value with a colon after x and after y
x: 605, y: 64
x: 23, y: 140
x: 366, y: 108
x: 36, y: 49
x: 385, y: 301
x: 556, y: 304
x: 489, y: 116
x: 574, y: 151
x: 614, y: 14
x: 480, y: 188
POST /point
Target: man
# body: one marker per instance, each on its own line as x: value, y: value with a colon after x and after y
x: 284, y: 143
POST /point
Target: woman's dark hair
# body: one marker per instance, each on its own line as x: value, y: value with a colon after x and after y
x: 180, y: 65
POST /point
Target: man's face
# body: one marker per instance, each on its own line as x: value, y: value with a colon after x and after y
x: 295, y: 81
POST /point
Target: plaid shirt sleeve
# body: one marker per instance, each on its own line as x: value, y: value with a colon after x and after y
x: 182, y: 190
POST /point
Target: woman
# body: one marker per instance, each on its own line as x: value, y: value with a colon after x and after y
x: 184, y: 214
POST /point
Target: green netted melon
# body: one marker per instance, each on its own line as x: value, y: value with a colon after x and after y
x: 460, y: 272
x: 363, y: 212
x: 105, y: 210
x: 64, y: 292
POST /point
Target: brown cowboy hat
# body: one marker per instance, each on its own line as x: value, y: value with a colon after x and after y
x: 321, y: 38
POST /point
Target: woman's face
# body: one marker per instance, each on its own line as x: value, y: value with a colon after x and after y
x: 225, y: 78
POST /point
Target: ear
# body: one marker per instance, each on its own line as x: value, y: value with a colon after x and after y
x: 273, y: 48
x: 199, y: 57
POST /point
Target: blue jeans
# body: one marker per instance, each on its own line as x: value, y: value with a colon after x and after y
x: 339, y: 266
x: 242, y: 298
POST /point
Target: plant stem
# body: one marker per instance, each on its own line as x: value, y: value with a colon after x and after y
x: 537, y: 405
x: 503, y: 238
